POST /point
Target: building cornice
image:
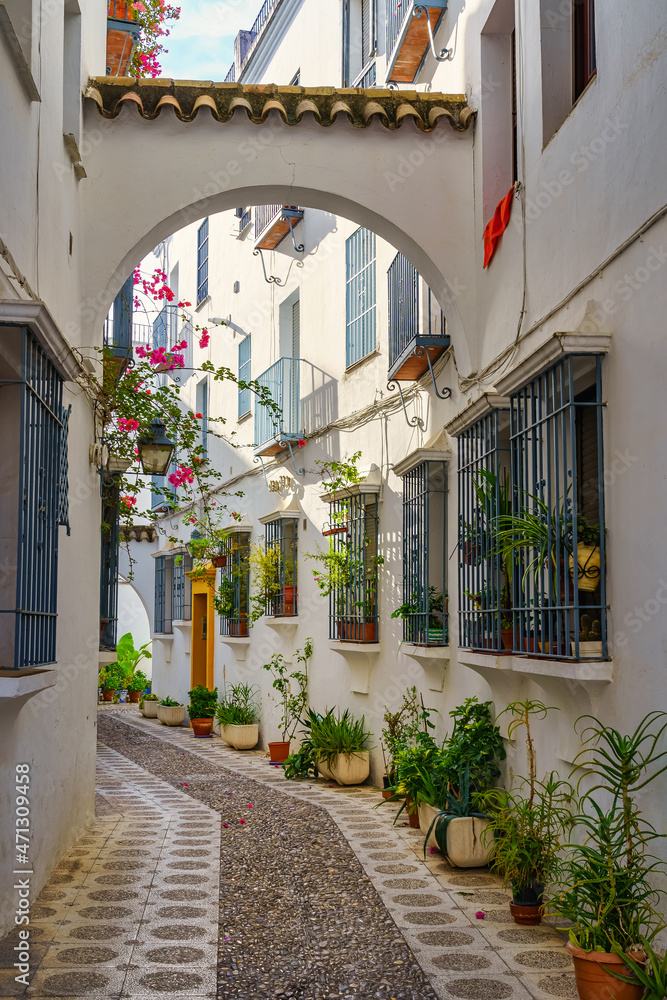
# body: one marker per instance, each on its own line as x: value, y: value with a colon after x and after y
x: 35, y: 315
x: 557, y: 346
x: 475, y: 411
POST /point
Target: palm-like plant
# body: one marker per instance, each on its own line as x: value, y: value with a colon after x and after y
x: 332, y: 735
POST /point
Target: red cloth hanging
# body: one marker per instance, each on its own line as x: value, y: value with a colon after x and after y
x: 497, y: 226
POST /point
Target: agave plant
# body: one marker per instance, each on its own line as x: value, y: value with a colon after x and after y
x: 459, y: 803
x: 333, y: 735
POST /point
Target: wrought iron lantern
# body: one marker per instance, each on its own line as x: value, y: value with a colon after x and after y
x: 156, y: 451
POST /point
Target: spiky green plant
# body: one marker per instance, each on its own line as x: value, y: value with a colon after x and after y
x: 334, y: 734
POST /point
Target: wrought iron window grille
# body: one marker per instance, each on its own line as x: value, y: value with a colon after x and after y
x: 110, y: 488
x: 281, y: 536
x: 424, y: 610
x: 360, y: 296
x: 234, y: 590
x: 162, y: 620
x: 181, y: 588
x: 32, y: 401
x: 531, y: 520
x: 351, y: 568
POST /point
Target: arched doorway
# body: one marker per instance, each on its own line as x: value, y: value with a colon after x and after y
x: 149, y: 178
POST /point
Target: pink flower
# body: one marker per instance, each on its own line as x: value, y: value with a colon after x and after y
x: 480, y: 915
x: 185, y: 784
x: 204, y: 339
x: 250, y: 805
x: 129, y: 501
x: 241, y: 821
x: 302, y: 443
x: 226, y: 825
x: 139, y: 6
x: 128, y: 424
x: 199, y: 416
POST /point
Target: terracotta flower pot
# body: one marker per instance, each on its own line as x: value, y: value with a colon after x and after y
x: 507, y: 637
x: 240, y: 627
x: 526, y: 915
x: 219, y: 561
x: 107, y: 695
x: 201, y: 727
x: 278, y: 751
x: 593, y: 980
x: 135, y: 697
x: 413, y: 813
x: 288, y: 602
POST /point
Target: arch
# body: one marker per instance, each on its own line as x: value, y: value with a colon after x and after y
x: 149, y: 178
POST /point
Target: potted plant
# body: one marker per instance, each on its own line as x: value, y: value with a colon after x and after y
x: 527, y: 824
x: 237, y: 716
x: 265, y: 565
x: 341, y: 748
x: 202, y: 710
x: 590, y: 638
x: 588, y: 555
x: 606, y: 885
x: 400, y: 729
x: 208, y: 547
x: 129, y: 659
x: 148, y: 706
x: 111, y: 679
x: 465, y: 764
x: 650, y: 974
x: 170, y: 713
x: 292, y: 703
x: 136, y: 683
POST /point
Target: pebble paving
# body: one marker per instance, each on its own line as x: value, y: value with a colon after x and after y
x: 315, y: 895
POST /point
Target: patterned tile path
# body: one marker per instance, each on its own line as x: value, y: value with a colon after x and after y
x: 132, y: 910
x: 432, y: 904
x: 122, y: 914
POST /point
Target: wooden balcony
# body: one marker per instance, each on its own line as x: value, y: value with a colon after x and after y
x: 122, y: 32
x: 408, y: 37
x: 272, y: 227
x: 413, y: 360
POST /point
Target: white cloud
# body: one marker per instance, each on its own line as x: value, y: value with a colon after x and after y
x: 201, y: 43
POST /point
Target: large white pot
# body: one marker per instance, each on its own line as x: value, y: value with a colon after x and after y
x: 427, y: 814
x: 149, y: 711
x: 171, y: 715
x: 240, y: 737
x: 466, y: 848
x: 348, y: 769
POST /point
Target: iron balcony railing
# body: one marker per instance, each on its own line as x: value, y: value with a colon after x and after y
x: 367, y: 77
x: 264, y: 216
x: 283, y: 381
x: 261, y: 18
x: 403, y: 279
x: 181, y: 588
x: 397, y: 11
x: 231, y: 74
x: 244, y: 217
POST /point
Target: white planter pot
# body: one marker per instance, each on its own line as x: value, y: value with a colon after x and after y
x: 592, y: 649
x: 171, y: 715
x: 347, y: 769
x: 150, y: 709
x: 427, y: 814
x: 241, y: 737
x: 465, y: 846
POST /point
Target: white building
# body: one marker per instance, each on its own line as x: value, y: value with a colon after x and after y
x: 565, y: 325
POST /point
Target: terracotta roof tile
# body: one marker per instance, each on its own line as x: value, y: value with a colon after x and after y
x: 187, y: 97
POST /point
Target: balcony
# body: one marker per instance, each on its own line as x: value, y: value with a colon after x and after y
x: 408, y: 37
x: 122, y: 34
x: 414, y: 343
x: 273, y: 223
x: 275, y: 432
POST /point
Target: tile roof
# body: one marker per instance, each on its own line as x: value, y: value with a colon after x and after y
x: 187, y: 97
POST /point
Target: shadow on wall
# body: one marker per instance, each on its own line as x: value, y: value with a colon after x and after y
x: 319, y: 398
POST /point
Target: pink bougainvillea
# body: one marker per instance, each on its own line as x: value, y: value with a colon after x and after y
x: 204, y: 339
x: 183, y: 476
x: 128, y: 424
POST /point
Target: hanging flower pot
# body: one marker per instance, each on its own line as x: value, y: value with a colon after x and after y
x: 219, y: 561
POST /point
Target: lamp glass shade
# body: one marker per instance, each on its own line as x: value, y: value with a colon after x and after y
x: 156, y: 451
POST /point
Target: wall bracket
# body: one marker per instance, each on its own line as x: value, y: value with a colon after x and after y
x: 445, y: 54
x: 411, y: 421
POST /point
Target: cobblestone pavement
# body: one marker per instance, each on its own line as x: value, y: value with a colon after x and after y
x: 320, y: 895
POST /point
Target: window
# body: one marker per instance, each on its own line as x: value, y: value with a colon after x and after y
x: 245, y: 394
x: 162, y: 620
x: 296, y: 79
x: 234, y: 591
x: 181, y: 588
x: 424, y: 610
x: 359, y: 38
x: 33, y: 502
x: 202, y: 262
x: 281, y: 538
x: 531, y: 519
x: 201, y: 399
x: 109, y: 564
x: 403, y: 282
x: 352, y: 566
x: 499, y: 118
x: 361, y: 338
x: 583, y: 35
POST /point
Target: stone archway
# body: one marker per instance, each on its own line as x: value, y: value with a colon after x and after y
x: 168, y: 154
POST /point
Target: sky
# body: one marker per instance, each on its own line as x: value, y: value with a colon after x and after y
x: 201, y: 43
